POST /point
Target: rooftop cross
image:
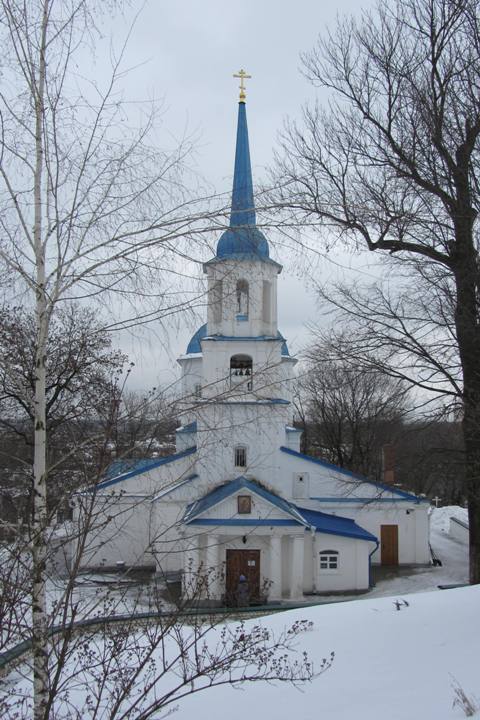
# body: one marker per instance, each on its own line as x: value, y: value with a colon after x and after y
x: 242, y: 75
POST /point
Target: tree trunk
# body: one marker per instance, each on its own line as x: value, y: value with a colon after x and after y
x: 468, y: 337
x: 39, y: 540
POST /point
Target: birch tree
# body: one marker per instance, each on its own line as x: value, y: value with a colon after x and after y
x: 88, y: 205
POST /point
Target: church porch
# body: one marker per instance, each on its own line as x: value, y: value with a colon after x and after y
x: 271, y: 559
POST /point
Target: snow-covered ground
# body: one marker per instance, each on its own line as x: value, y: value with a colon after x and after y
x: 399, y: 651
x: 389, y: 664
x: 452, y: 553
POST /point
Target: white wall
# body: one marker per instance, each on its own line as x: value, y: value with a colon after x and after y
x: 119, y: 533
x: 352, y: 573
x: 254, y: 272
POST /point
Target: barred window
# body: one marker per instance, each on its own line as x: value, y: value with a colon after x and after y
x: 241, y: 456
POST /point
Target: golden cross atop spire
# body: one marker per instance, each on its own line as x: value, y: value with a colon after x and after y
x: 243, y: 76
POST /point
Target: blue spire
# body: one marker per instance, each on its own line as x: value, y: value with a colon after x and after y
x: 243, y: 208
x: 243, y: 239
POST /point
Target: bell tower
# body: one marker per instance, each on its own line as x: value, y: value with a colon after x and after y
x: 239, y: 358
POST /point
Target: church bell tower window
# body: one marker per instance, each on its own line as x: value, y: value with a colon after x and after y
x: 241, y: 371
x: 242, y: 300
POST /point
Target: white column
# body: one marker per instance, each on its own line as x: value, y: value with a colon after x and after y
x: 212, y: 568
x: 296, y: 567
x: 191, y: 566
x: 275, y: 591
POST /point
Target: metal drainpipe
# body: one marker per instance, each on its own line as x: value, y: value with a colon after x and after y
x: 370, y: 583
x: 313, y: 530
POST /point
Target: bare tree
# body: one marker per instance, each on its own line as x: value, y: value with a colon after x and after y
x: 403, y: 327
x: 133, y: 652
x: 394, y: 163
x: 351, y: 412
x: 87, y: 206
x: 80, y: 364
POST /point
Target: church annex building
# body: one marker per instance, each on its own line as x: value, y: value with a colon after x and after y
x: 238, y: 497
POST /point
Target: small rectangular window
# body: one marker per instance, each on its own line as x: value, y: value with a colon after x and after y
x: 244, y: 504
x: 241, y: 457
x: 329, y: 560
x: 300, y: 485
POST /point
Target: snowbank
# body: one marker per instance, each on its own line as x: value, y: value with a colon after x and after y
x: 389, y: 663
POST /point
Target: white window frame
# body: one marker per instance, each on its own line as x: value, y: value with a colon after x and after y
x: 329, y: 562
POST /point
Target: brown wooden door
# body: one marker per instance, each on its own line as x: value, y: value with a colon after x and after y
x: 389, y: 544
x: 243, y: 562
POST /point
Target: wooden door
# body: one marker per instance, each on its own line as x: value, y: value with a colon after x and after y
x: 243, y: 562
x: 389, y: 544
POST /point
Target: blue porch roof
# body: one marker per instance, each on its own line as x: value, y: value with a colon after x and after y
x: 335, y: 525
x: 322, y: 522
x: 221, y: 492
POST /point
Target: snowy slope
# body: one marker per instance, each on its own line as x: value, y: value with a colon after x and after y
x: 389, y: 664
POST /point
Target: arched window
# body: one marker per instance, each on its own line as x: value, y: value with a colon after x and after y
x: 242, y: 300
x: 240, y: 456
x: 329, y: 560
x: 241, y: 371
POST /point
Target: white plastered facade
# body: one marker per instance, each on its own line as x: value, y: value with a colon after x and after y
x: 309, y: 527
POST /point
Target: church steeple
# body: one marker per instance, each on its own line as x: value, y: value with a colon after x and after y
x: 243, y: 239
x: 243, y: 207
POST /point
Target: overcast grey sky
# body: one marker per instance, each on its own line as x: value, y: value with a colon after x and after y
x: 188, y: 52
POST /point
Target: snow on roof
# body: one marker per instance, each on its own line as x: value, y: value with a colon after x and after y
x: 138, y: 467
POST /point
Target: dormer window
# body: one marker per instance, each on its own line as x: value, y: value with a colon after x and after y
x: 241, y: 371
x: 242, y: 300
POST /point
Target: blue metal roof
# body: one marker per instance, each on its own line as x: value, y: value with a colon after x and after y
x: 139, y: 467
x: 361, y: 479
x: 242, y: 243
x: 194, y: 346
x: 329, y: 524
x: 241, y: 483
x: 335, y: 525
x: 243, y: 239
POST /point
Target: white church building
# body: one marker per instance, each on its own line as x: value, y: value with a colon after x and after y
x: 238, y: 497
